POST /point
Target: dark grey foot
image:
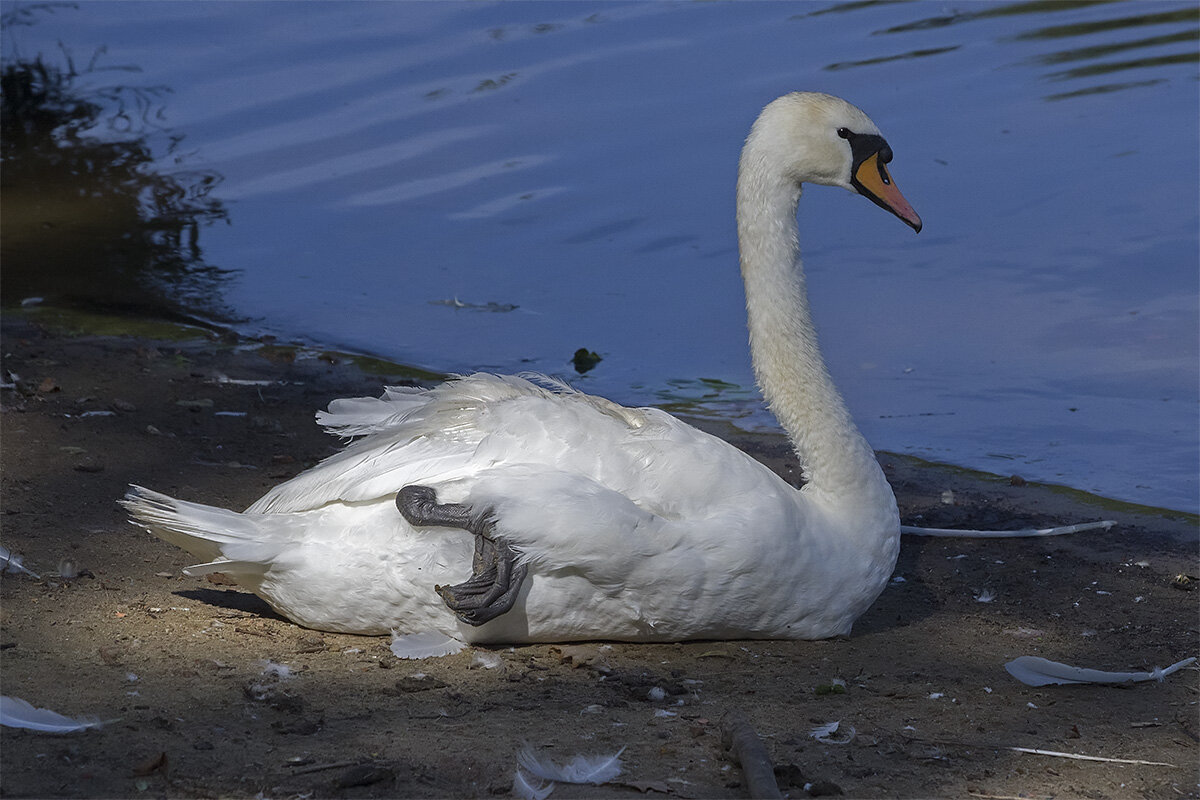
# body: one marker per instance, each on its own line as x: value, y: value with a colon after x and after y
x: 495, y: 576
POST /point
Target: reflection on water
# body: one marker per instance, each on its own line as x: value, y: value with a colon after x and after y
x: 870, y: 62
x: 1095, y: 55
x: 89, y: 217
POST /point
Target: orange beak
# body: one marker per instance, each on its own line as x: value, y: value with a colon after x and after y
x: 872, y: 180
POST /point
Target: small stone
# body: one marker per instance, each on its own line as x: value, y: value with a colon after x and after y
x: 303, y: 727
x: 824, y: 789
x: 419, y: 682
x: 111, y: 655
x: 364, y: 775
x: 273, y: 696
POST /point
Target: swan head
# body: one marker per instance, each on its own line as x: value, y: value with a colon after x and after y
x: 818, y: 138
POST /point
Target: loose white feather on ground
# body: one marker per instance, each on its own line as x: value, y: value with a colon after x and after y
x: 580, y: 769
x: 913, y: 530
x: 1035, y: 671
x: 428, y: 644
x: 18, y: 713
x: 13, y: 563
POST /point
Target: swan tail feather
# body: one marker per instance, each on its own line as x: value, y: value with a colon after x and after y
x: 210, y: 533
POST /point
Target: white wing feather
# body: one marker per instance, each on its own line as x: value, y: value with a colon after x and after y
x: 527, y: 791
x: 580, y: 769
x: 448, y: 433
x: 1025, y: 533
x: 11, y: 563
x: 428, y: 644
x: 1035, y: 671
x: 18, y: 713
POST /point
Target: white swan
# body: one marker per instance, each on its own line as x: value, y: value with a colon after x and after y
x: 542, y: 514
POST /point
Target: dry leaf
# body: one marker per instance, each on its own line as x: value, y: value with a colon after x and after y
x: 151, y: 765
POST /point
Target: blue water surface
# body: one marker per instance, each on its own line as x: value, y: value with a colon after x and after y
x: 492, y: 186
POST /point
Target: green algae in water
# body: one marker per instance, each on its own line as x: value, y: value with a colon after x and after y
x: 379, y: 366
x: 72, y: 322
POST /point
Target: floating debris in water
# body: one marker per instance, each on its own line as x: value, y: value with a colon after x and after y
x: 495, y: 308
x: 585, y: 360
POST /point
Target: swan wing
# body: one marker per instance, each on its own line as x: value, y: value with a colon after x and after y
x: 482, y: 427
x: 447, y: 433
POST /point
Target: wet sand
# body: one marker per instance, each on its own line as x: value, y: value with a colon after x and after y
x: 182, y: 665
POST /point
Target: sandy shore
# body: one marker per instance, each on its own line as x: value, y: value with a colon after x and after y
x: 182, y: 666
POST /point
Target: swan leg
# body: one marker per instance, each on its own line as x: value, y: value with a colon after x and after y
x: 496, y: 577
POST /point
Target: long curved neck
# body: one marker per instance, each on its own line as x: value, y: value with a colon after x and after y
x: 836, y: 459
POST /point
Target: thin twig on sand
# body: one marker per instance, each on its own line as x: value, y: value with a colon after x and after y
x: 1079, y: 757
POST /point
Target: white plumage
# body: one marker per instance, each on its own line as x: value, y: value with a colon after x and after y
x: 634, y: 525
x: 10, y: 562
x: 1037, y: 671
x: 580, y: 769
x: 18, y: 713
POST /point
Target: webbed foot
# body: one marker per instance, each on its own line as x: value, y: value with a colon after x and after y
x: 496, y: 577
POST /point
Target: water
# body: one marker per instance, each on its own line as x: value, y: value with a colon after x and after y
x: 469, y: 186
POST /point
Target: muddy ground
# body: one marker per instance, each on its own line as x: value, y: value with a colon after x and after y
x: 183, y: 666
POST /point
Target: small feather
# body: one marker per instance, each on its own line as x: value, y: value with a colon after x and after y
x: 273, y: 670
x: 17, y: 713
x: 527, y: 791
x: 486, y: 661
x: 1034, y: 671
x: 826, y: 734
x: 428, y: 644
x: 580, y: 769
x: 12, y: 563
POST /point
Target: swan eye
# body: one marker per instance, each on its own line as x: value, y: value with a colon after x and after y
x: 844, y: 133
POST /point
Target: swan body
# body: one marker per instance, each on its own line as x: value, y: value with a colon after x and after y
x: 626, y: 524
